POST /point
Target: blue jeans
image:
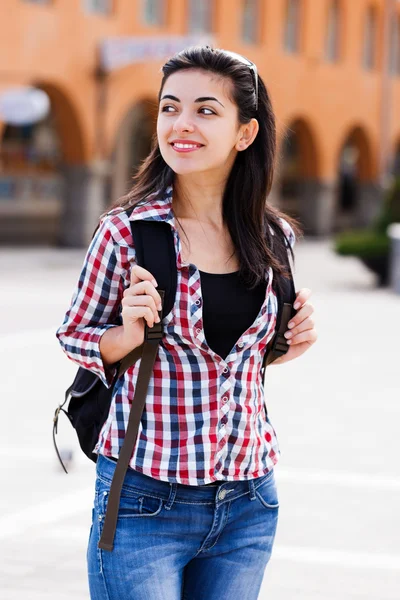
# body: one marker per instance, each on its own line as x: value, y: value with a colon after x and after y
x: 182, y: 542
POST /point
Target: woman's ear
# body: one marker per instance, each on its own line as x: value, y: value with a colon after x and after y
x: 247, y: 135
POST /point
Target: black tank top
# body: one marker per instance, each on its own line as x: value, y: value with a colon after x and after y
x: 229, y: 308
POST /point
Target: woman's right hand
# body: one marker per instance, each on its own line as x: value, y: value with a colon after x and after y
x: 141, y: 302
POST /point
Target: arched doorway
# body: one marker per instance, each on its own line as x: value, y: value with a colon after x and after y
x: 298, y: 168
x: 34, y: 163
x: 133, y: 144
x: 357, y: 201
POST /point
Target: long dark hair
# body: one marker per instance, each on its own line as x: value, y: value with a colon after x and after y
x: 246, y: 211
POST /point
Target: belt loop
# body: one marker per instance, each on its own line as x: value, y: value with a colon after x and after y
x: 171, y: 497
x: 252, y: 489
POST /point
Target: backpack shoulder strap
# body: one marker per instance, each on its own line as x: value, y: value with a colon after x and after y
x: 286, y: 296
x: 155, y: 251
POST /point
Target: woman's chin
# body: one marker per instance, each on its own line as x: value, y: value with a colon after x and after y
x: 182, y: 169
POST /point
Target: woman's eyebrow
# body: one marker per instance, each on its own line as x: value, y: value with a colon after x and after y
x: 202, y: 99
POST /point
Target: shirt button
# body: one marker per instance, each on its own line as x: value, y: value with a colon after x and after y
x: 198, y: 330
x: 226, y: 370
x: 225, y: 399
x: 241, y: 344
x: 221, y: 494
x: 198, y: 302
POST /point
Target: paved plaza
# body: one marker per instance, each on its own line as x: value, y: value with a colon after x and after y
x: 336, y: 411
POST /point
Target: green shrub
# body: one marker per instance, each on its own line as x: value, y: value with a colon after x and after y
x: 364, y: 243
x: 374, y: 241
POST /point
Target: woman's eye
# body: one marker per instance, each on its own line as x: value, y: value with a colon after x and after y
x: 165, y: 108
x: 210, y: 112
x: 204, y: 110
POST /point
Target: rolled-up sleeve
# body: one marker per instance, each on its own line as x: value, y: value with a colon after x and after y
x: 94, y: 306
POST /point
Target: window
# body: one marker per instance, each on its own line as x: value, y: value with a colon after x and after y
x: 370, y: 29
x: 153, y: 12
x: 251, y: 19
x: 292, y: 28
x: 200, y: 16
x: 332, y: 33
x: 98, y: 6
x: 394, y: 55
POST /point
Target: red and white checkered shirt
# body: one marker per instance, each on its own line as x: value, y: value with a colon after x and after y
x: 204, y: 418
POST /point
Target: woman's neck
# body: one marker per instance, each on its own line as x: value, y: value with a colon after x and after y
x: 198, y: 200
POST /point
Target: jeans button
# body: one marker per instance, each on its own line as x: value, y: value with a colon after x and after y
x: 222, y: 495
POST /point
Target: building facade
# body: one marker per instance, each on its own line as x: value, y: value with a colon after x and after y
x: 332, y: 68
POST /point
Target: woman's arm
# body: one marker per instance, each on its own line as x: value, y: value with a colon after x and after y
x: 94, y: 309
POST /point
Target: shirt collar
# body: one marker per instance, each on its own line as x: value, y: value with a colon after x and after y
x: 158, y: 207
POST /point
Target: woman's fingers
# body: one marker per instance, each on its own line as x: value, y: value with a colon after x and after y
x: 134, y: 313
x: 303, y: 326
x: 301, y: 298
x: 310, y: 336
x: 301, y: 315
x: 143, y: 287
x: 141, y: 274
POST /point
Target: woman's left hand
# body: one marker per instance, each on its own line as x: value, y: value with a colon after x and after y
x: 301, y: 334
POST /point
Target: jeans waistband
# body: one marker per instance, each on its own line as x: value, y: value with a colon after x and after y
x: 223, y: 491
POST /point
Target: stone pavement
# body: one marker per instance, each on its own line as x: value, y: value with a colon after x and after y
x: 336, y: 412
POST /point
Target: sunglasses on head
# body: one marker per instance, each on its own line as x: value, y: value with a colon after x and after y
x: 252, y: 68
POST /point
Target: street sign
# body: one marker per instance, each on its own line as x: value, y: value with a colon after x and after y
x: 118, y: 52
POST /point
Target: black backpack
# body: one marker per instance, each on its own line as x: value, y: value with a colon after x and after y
x: 90, y: 400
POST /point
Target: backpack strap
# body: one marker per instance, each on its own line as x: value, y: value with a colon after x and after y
x: 155, y: 252
x: 149, y: 354
x: 286, y: 296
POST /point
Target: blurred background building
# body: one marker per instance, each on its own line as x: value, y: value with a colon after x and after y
x: 331, y: 66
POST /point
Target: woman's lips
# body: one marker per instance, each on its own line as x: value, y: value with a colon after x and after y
x: 186, y: 147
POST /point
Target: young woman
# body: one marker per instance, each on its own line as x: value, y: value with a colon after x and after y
x: 199, y: 506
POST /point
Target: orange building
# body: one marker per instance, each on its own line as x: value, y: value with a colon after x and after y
x: 332, y: 67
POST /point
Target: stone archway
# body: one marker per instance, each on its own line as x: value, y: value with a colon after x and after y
x: 358, y: 197
x: 133, y: 144
x: 38, y: 164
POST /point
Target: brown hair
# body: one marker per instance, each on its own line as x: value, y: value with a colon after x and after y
x: 246, y: 211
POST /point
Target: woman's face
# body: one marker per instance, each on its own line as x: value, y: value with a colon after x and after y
x: 197, y: 125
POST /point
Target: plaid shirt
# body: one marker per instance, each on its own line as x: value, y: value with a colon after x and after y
x: 204, y: 418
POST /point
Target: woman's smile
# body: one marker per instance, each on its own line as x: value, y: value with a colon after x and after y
x: 185, y: 146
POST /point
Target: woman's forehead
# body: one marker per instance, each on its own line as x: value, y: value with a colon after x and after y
x: 197, y: 82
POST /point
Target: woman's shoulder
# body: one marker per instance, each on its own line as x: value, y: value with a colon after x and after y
x: 116, y: 223
x: 287, y: 230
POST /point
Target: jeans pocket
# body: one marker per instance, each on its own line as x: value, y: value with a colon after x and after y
x: 132, y: 504
x: 267, y: 492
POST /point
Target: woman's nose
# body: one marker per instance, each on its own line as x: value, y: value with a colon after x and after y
x: 182, y: 123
